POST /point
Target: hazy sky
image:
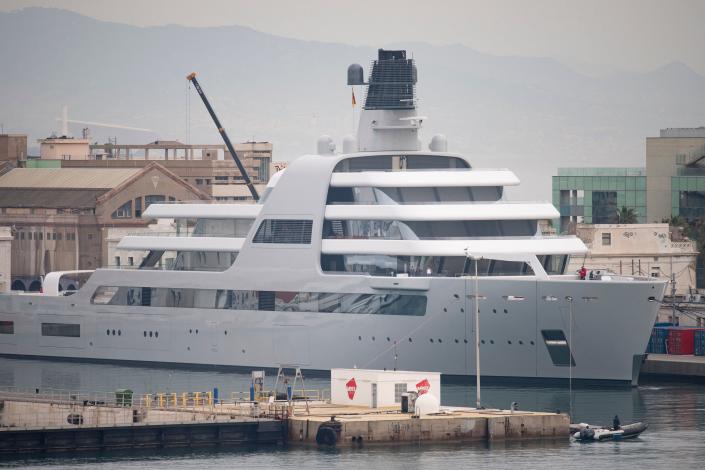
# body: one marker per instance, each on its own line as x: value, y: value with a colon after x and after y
x: 588, y: 34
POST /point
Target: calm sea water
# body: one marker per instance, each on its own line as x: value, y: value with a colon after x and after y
x: 675, y: 413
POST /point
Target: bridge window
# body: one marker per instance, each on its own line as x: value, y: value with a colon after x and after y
x: 286, y: 231
x: 427, y: 230
x: 424, y: 195
x: 399, y: 163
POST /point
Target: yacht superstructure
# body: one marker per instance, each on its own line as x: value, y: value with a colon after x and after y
x: 364, y: 258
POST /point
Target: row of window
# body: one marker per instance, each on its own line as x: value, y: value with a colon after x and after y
x: 58, y: 236
x: 444, y: 266
x: 281, y: 301
x: 428, y: 230
x: 400, y: 163
x: 425, y: 195
x: 125, y: 211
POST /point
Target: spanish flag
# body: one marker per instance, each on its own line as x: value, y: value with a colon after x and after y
x: 353, y: 98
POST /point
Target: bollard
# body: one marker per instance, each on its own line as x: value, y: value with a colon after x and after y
x: 160, y: 397
x: 184, y: 399
x: 148, y: 400
x: 174, y: 401
x: 209, y: 395
x: 196, y: 398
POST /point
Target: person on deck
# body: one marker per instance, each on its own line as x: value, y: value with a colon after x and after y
x: 582, y: 273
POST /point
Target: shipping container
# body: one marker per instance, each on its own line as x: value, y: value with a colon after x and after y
x: 657, y: 341
x: 681, y: 341
x: 699, y: 343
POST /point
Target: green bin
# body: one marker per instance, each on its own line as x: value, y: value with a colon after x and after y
x: 123, y: 397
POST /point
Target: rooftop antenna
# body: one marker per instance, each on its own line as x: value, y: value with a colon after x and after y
x: 65, y: 121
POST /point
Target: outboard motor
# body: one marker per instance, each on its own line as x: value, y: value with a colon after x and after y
x: 587, y: 434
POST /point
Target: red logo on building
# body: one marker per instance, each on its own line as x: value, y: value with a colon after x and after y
x: 423, y: 386
x: 351, y: 386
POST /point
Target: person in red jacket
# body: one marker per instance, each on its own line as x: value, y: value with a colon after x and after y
x: 582, y: 273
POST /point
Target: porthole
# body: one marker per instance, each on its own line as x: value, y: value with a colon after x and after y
x: 509, y: 341
x: 359, y: 338
x: 410, y: 340
x: 156, y: 334
x: 456, y: 340
x: 119, y: 332
x: 145, y: 334
x: 491, y: 341
x: 243, y: 351
x: 113, y: 332
x: 190, y: 331
x: 482, y: 341
x: 107, y: 332
x: 440, y: 340
x: 373, y: 338
x: 431, y: 340
x: 151, y: 334
x: 505, y: 311
x: 494, y: 310
x: 521, y: 342
x: 388, y: 339
x: 456, y: 296
x: 462, y: 310
x: 445, y: 309
x: 531, y: 343
x: 226, y: 332
x: 465, y: 341
x: 196, y: 330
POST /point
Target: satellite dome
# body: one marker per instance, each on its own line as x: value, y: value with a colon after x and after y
x: 427, y: 404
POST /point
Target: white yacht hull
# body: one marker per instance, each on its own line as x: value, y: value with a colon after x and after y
x: 513, y: 313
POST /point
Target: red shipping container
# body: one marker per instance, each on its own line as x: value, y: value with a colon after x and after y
x: 681, y: 341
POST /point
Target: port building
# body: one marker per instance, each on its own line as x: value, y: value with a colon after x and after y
x: 60, y: 217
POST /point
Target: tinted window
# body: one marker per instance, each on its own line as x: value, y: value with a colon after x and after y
x: 71, y: 330
x: 427, y: 230
x: 284, y: 231
x: 399, y: 162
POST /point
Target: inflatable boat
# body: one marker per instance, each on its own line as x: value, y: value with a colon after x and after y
x: 586, y: 433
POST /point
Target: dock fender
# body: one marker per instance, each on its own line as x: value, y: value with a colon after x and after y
x: 326, y: 436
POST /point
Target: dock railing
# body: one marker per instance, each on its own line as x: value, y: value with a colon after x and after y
x: 52, y: 408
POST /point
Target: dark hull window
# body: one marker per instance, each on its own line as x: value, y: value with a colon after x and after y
x: 558, y: 347
x: 427, y: 230
x: 7, y: 328
x: 69, y: 330
x: 281, y: 301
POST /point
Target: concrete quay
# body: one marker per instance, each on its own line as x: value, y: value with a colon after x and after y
x: 669, y: 366
x: 363, y: 426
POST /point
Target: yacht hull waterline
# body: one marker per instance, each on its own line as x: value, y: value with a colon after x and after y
x: 357, y: 259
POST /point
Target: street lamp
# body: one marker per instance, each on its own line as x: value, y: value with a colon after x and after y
x: 476, y: 296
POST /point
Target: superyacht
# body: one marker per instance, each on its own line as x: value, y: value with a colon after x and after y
x: 360, y: 258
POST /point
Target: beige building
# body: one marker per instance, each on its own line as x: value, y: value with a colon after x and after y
x: 13, y: 147
x: 5, y: 258
x: 639, y: 249
x: 64, y: 148
x: 58, y: 216
x: 676, y: 152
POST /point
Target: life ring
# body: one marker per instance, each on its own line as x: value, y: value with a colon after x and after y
x: 326, y: 436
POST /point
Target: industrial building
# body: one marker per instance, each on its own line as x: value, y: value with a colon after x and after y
x: 209, y: 167
x: 672, y: 184
x: 59, y: 216
x: 13, y: 147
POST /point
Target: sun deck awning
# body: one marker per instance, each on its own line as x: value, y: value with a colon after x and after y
x: 221, y: 244
x: 476, y: 247
x: 474, y: 211
x: 202, y: 211
x: 422, y: 179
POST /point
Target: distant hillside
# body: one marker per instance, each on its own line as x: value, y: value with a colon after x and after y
x: 528, y: 114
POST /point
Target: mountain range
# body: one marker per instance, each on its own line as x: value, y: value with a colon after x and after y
x: 531, y: 115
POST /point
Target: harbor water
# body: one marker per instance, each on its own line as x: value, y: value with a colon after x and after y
x: 675, y: 413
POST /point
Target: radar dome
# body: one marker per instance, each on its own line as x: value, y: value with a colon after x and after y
x: 427, y: 404
x: 325, y: 145
x: 439, y: 143
x: 355, y: 75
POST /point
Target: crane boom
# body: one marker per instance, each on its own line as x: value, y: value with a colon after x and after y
x: 224, y: 135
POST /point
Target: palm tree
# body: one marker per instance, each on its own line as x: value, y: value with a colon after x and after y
x: 626, y: 215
